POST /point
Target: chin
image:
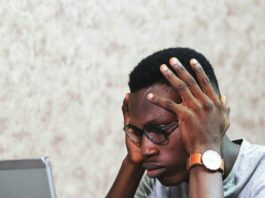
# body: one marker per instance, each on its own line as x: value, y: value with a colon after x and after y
x: 173, y: 180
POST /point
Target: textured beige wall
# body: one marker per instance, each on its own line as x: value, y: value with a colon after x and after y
x: 64, y: 66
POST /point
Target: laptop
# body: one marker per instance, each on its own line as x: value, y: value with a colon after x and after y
x: 27, y: 178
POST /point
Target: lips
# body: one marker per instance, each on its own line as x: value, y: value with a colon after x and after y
x: 154, y: 170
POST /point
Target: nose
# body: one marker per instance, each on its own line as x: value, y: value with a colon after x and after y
x: 148, y: 148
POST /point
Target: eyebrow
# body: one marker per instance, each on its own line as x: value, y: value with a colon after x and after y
x: 156, y: 122
x: 153, y: 122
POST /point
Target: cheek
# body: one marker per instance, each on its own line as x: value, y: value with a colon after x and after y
x: 175, y: 142
x: 175, y: 159
x: 175, y: 152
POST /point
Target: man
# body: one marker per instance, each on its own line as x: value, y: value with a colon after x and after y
x: 175, y: 122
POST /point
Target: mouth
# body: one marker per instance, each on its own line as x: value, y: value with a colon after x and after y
x: 154, y: 170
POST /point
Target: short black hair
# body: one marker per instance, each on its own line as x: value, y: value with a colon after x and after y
x: 147, y: 72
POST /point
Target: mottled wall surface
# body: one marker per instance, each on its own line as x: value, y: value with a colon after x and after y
x: 64, y: 66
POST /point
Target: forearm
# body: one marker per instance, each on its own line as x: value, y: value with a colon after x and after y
x: 205, y: 184
x: 127, y: 181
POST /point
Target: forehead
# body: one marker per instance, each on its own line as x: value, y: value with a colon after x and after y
x: 143, y: 112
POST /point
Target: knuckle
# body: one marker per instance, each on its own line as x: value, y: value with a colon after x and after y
x: 169, y: 104
x: 219, y: 105
x: 208, y: 105
x: 181, y: 86
x: 170, y: 74
x: 181, y: 70
x: 191, y: 82
x: 205, y: 80
x: 197, y: 107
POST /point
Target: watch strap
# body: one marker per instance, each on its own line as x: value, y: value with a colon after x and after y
x: 196, y: 160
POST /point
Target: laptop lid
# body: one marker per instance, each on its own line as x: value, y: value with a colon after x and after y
x: 30, y: 178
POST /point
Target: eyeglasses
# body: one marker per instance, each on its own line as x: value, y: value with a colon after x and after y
x: 156, y: 134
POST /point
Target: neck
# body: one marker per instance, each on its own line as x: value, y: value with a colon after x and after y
x: 229, y: 151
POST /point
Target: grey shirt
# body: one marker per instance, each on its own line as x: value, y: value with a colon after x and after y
x: 246, y: 179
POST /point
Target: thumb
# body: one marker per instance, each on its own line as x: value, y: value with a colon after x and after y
x: 226, y: 109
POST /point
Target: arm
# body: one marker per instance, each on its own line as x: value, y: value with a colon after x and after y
x: 131, y: 170
x: 202, y: 122
x: 203, y: 183
x: 127, y: 180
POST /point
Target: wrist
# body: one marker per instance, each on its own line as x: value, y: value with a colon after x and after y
x: 209, y: 159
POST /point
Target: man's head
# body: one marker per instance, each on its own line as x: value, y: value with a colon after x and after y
x: 165, y: 161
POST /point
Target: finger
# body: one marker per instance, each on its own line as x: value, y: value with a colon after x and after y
x: 226, y: 111
x: 177, y: 84
x: 203, y: 80
x: 168, y: 104
x: 227, y: 121
x: 184, y: 75
x: 125, y: 109
x: 223, y: 100
x: 225, y: 104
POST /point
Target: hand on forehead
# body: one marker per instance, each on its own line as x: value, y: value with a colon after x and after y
x: 141, y: 110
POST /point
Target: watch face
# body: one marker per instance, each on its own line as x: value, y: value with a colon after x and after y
x: 211, y: 160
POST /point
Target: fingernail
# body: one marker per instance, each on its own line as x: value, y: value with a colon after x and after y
x: 174, y: 61
x: 193, y: 61
x: 223, y: 99
x: 150, y: 96
x: 164, y: 67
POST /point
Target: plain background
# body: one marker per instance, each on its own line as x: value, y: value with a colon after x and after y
x: 64, y: 70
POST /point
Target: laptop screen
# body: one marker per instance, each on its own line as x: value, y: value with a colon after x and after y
x: 31, y: 178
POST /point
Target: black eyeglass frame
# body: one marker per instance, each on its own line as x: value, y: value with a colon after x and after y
x: 162, y: 129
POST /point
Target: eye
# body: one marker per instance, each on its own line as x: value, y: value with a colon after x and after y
x: 154, y: 129
x: 137, y: 131
x: 170, y: 128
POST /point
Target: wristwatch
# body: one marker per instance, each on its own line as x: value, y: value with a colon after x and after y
x: 210, y: 159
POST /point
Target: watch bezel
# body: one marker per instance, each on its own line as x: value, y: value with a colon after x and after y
x: 211, y: 160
